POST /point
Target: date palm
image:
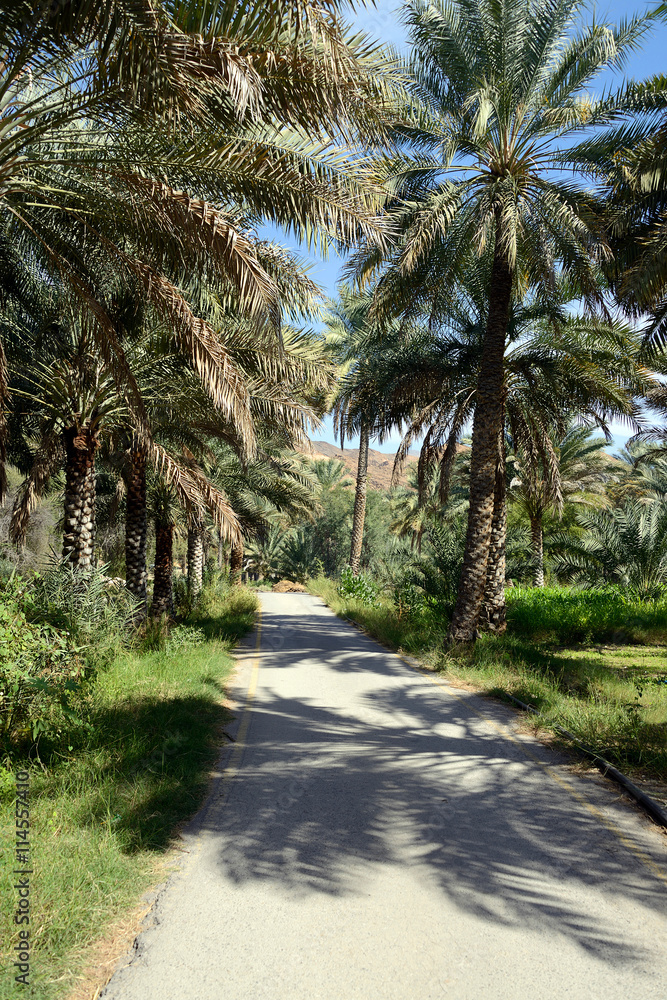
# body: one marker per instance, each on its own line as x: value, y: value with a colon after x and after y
x: 287, y: 384
x: 165, y: 513
x: 624, y: 545
x: 78, y: 403
x: 417, y: 506
x: 578, y: 475
x: 100, y: 174
x: 556, y: 363
x: 276, y: 483
x: 351, y: 340
x: 506, y: 85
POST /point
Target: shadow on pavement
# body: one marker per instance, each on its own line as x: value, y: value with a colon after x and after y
x: 407, y: 775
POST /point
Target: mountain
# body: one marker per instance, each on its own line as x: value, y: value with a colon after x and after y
x: 380, y: 464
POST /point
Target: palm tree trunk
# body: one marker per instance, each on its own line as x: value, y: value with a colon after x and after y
x: 492, y: 615
x: 487, y: 425
x: 136, y: 527
x: 163, y: 598
x: 360, y: 499
x: 79, y: 528
x: 195, y: 558
x: 236, y: 563
x: 537, y: 548
x: 4, y: 382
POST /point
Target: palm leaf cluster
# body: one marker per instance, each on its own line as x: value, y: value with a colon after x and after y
x: 523, y: 205
x: 144, y: 317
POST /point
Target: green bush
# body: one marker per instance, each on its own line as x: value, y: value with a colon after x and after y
x: 97, y: 612
x: 184, y: 637
x: 224, y: 612
x: 40, y: 669
x: 358, y: 588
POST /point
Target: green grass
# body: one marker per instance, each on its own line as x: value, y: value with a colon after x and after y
x: 613, y: 699
x: 105, y: 811
x: 610, y: 696
x: 566, y: 615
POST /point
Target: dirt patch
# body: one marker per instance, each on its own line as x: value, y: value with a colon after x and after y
x: 104, y: 955
x: 288, y: 587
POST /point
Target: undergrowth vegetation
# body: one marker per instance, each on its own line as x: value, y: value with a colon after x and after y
x: 565, y: 615
x: 114, y: 780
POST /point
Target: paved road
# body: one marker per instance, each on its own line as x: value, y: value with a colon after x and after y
x: 382, y: 836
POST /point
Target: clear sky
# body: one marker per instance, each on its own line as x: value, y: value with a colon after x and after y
x: 382, y: 22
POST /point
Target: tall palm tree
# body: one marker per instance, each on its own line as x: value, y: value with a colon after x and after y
x: 196, y: 538
x: 136, y: 521
x: 165, y: 514
x: 78, y: 403
x: 555, y: 364
x: 149, y: 139
x: 506, y: 85
x: 352, y: 340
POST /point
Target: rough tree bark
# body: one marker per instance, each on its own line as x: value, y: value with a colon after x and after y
x: 236, y: 563
x: 195, y: 558
x: 163, y: 597
x: 537, y: 546
x: 360, y: 499
x: 487, y: 425
x: 136, y: 524
x: 492, y: 614
x: 79, y: 528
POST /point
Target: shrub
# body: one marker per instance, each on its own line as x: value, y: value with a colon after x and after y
x: 438, y: 574
x: 40, y: 669
x: 358, y: 588
x: 184, y: 637
x: 224, y: 612
x: 98, y: 613
x: 410, y: 602
x: 183, y: 599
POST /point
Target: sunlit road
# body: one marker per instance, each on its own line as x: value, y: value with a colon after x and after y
x: 382, y: 836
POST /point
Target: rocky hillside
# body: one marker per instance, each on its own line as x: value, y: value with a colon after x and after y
x: 380, y: 464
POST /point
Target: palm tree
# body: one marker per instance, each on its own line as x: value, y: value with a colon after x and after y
x: 506, y: 85
x: 196, y: 538
x: 136, y: 522
x: 624, y: 545
x: 331, y: 473
x: 276, y: 482
x: 415, y: 507
x: 351, y: 340
x: 556, y: 364
x: 165, y: 513
x: 78, y: 402
x: 101, y: 176
x: 578, y: 474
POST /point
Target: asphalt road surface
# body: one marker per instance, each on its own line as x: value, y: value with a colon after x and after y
x: 376, y: 834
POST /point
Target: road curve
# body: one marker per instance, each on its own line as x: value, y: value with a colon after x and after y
x: 378, y: 835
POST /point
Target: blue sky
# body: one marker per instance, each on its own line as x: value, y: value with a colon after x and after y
x: 382, y: 23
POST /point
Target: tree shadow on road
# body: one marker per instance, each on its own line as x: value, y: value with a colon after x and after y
x: 407, y: 775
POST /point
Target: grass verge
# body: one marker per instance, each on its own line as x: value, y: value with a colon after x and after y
x: 103, y: 814
x: 612, y: 697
